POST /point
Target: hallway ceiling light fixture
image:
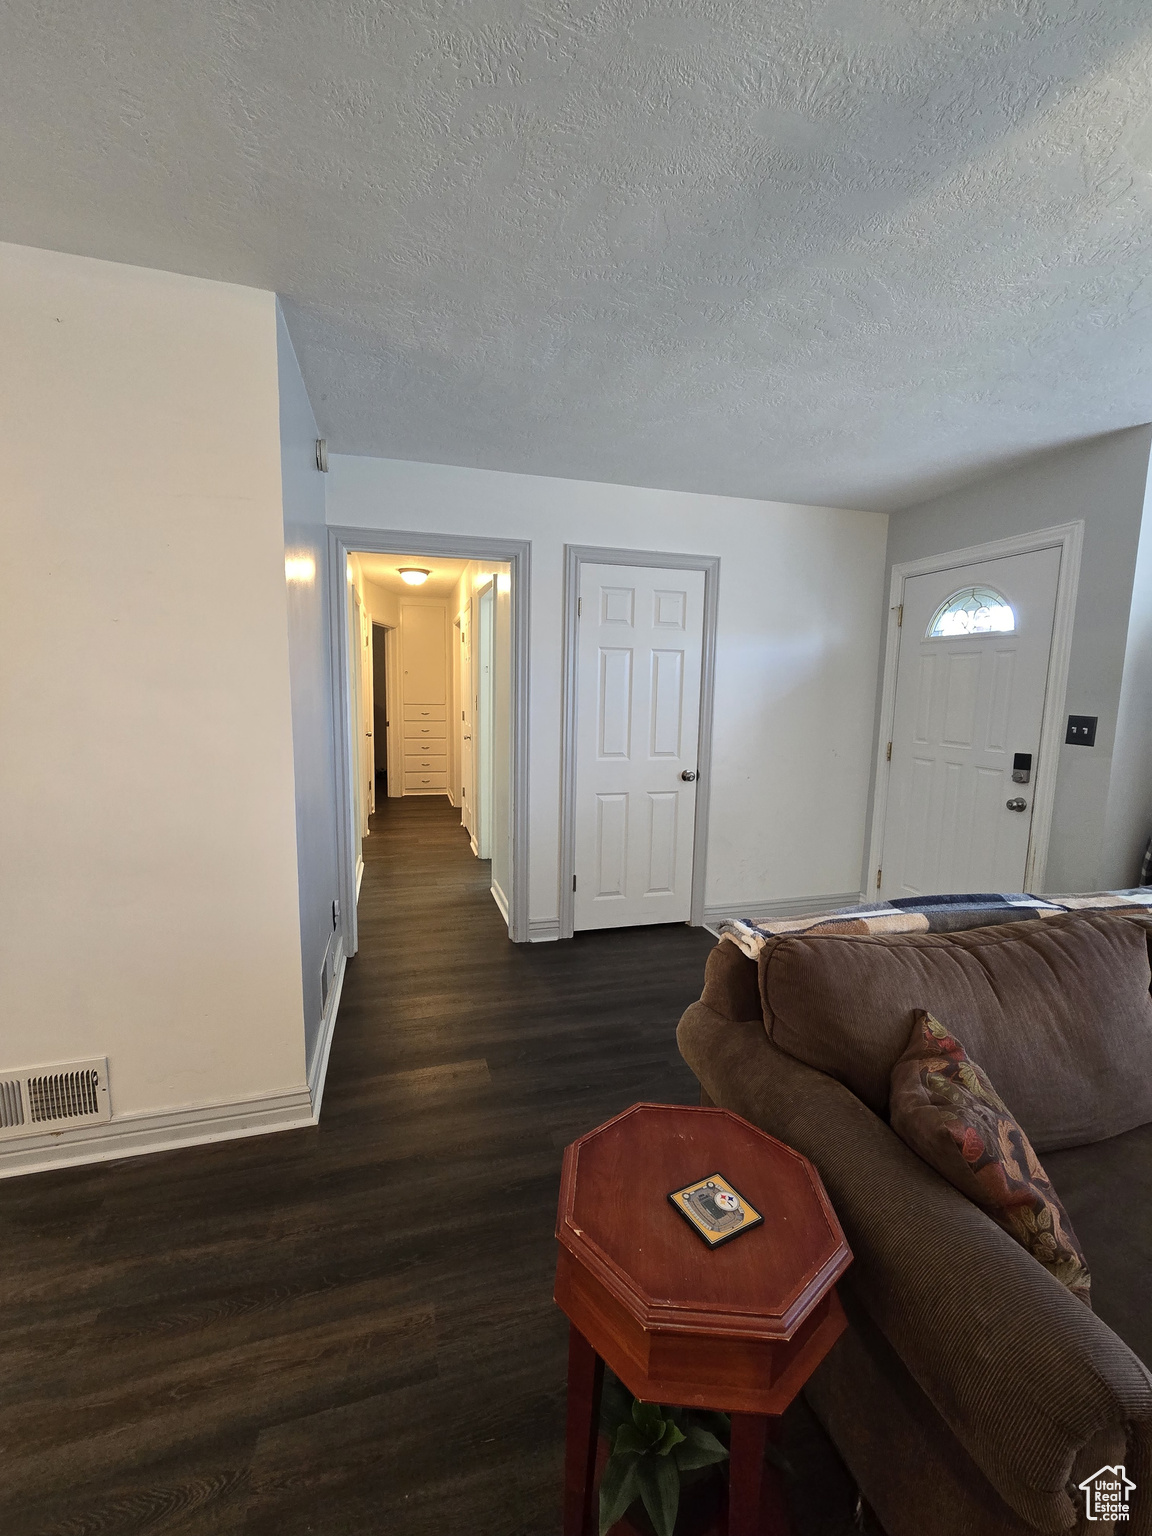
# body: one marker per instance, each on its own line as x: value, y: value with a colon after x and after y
x: 414, y: 575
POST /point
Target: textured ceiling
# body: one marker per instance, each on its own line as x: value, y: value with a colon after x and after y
x: 839, y: 251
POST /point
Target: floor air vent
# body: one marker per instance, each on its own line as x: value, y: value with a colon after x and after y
x: 38, y: 1099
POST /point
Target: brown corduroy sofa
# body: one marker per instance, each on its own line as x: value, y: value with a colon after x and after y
x: 972, y: 1392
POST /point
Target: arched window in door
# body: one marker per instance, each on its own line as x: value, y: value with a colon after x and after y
x: 972, y: 611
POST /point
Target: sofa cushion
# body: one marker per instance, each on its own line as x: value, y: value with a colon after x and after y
x: 1070, y: 990
x: 1107, y: 1191
x: 945, y: 1108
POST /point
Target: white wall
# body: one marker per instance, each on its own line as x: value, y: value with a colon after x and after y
x: 1128, y: 818
x: 148, y: 905
x: 1102, y: 482
x: 310, y: 663
x: 384, y: 606
x: 796, y: 667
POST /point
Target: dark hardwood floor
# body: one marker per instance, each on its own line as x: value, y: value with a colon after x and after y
x: 350, y: 1330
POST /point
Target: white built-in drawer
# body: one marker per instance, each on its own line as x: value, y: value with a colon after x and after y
x: 417, y: 730
x: 425, y: 711
x: 429, y: 780
x: 416, y: 762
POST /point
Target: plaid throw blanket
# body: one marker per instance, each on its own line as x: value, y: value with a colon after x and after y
x: 930, y: 914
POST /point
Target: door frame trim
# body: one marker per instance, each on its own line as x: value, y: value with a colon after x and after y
x: 482, y: 770
x: 576, y: 556
x: 1069, y: 539
x: 517, y: 554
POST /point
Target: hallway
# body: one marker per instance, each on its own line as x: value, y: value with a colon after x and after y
x: 483, y: 1059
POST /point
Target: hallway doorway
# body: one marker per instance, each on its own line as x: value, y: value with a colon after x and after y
x: 432, y: 701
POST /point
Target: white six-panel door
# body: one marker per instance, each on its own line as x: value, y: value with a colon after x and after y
x: 640, y: 633
x: 965, y: 706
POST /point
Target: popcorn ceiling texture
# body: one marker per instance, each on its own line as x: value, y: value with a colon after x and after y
x: 836, y: 251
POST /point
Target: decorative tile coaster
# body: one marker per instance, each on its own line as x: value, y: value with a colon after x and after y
x: 715, y: 1210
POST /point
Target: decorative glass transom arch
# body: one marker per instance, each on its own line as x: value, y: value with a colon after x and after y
x: 972, y: 611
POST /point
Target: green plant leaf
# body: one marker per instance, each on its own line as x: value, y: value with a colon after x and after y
x: 700, y: 1449
x: 631, y: 1441
x: 619, y: 1487
x: 718, y: 1423
x: 672, y: 1435
x: 659, y: 1479
x: 648, y: 1419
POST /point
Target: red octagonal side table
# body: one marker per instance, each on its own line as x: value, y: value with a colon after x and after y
x: 738, y: 1328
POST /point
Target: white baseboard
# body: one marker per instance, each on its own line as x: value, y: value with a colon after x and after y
x: 542, y: 930
x: 167, y: 1130
x: 777, y: 906
x: 359, y: 874
x: 157, y: 1131
x: 500, y: 899
x: 472, y: 840
x: 318, y: 1066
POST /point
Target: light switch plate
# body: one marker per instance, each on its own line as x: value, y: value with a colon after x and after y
x: 1081, y: 731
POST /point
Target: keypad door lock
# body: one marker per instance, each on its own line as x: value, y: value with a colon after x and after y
x: 688, y: 775
x: 1021, y: 767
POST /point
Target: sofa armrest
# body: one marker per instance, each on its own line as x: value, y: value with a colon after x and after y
x: 731, y: 983
x: 1022, y: 1372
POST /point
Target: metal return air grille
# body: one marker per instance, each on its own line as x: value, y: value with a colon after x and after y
x: 58, y: 1097
x: 11, y: 1103
x: 64, y: 1095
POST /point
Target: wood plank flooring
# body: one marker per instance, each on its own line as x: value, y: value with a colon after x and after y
x: 349, y: 1330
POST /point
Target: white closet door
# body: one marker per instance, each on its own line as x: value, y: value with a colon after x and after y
x: 640, y: 633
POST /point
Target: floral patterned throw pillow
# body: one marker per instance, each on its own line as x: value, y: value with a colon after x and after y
x: 943, y: 1106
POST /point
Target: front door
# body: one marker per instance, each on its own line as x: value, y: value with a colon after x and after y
x: 640, y: 633
x: 970, y: 686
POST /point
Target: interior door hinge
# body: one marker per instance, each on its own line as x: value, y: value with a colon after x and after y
x: 573, y: 882
x: 889, y: 751
x: 879, y: 872
x: 900, y: 616
x: 579, y: 606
